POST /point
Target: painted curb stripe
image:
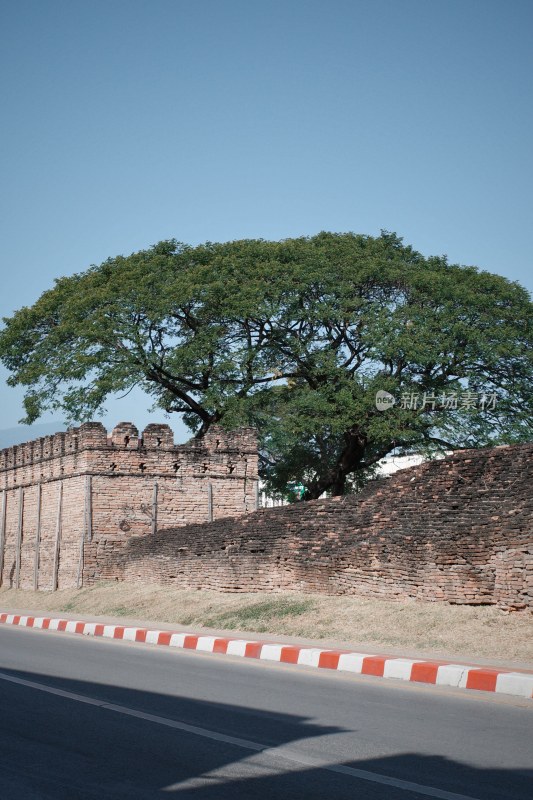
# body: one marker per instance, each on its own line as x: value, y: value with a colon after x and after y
x: 413, y: 670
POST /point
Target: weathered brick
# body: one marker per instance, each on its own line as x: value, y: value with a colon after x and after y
x: 128, y: 477
x: 427, y: 533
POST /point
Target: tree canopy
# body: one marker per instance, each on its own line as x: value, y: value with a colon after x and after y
x: 295, y: 337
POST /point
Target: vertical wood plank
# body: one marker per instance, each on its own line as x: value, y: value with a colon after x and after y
x: 79, y: 577
x: 89, y: 507
x: 37, y: 538
x: 210, y: 502
x: 87, y: 531
x: 58, y: 536
x: 154, y: 509
x: 245, y: 485
x: 19, y: 538
x: 3, y: 513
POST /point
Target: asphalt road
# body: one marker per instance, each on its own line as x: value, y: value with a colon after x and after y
x: 83, y: 718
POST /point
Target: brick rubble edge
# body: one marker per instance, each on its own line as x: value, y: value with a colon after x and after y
x: 433, y: 672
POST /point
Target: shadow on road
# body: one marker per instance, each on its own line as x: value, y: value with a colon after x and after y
x: 54, y: 748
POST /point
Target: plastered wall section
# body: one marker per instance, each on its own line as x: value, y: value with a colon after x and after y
x: 457, y: 530
x: 69, y: 501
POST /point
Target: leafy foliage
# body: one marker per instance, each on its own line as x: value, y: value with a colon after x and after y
x: 295, y: 337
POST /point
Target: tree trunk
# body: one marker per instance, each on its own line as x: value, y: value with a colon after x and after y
x: 349, y: 461
x: 212, y: 419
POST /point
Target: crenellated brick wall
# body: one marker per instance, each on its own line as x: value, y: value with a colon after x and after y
x: 457, y: 530
x: 70, y: 501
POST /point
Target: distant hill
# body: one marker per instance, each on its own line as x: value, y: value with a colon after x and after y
x: 25, y: 433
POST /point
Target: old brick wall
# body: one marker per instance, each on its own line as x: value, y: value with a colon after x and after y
x: 70, y: 501
x: 456, y: 530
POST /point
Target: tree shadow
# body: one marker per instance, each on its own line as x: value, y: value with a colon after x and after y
x: 53, y: 748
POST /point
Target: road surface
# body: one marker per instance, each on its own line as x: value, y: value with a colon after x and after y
x: 84, y: 718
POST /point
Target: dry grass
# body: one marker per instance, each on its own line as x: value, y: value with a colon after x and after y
x: 433, y: 628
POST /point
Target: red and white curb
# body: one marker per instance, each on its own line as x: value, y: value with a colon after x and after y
x: 435, y: 672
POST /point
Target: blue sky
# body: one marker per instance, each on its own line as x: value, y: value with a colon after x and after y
x: 130, y: 121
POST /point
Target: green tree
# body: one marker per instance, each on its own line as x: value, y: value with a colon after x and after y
x: 295, y: 337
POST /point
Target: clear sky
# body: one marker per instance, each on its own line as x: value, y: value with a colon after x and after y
x: 125, y: 122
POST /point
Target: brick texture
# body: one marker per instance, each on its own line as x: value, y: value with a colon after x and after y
x: 456, y: 530
x: 71, y: 501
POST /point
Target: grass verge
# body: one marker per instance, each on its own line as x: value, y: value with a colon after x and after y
x: 470, y: 631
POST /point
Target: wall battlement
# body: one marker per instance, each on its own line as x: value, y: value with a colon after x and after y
x: 90, y: 449
x: 66, y: 498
